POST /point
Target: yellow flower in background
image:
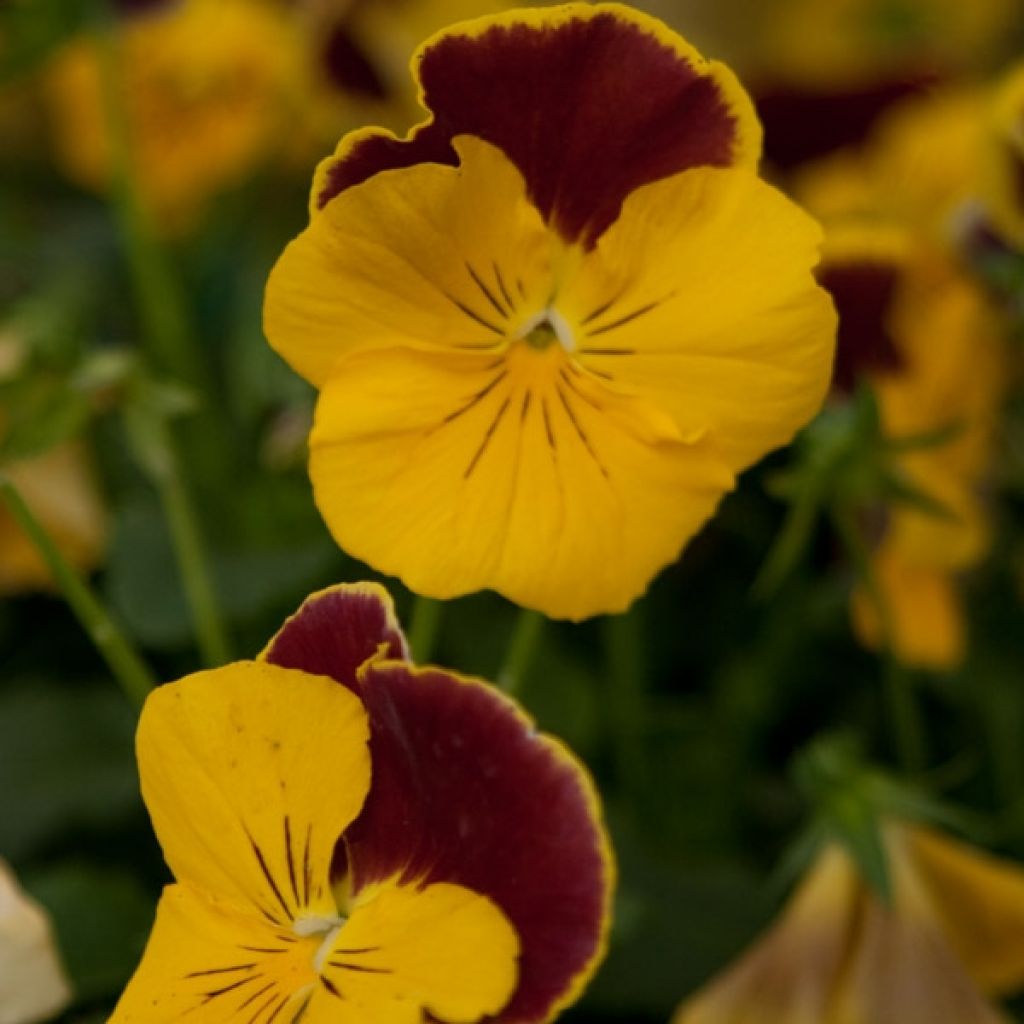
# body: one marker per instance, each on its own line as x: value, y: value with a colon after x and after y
x: 952, y: 936
x: 548, y: 333
x: 33, y: 986
x: 914, y: 325
x: 1003, y: 183
x: 357, y: 839
x: 203, y: 84
x: 61, y: 492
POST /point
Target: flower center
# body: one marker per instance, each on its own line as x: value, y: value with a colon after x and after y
x: 546, y: 327
x: 314, y: 927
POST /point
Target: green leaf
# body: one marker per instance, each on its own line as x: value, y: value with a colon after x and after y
x: 66, y: 760
x: 102, y: 920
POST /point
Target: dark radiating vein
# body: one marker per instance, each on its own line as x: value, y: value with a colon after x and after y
x: 487, y: 293
x: 330, y: 986
x: 269, y: 877
x: 520, y: 288
x: 356, y: 967
x: 602, y: 309
x: 356, y: 952
x: 280, y: 1006
x: 579, y: 430
x: 486, y: 437
x: 220, y: 970
x: 608, y: 351
x: 270, y: 949
x: 266, y: 988
x: 527, y: 397
x: 583, y: 396
x: 479, y: 396
x: 261, y: 1009
x: 628, y: 318
x: 207, y: 996
x: 547, y: 424
x: 473, y: 315
x: 291, y: 860
x: 307, y: 867
x: 501, y: 286
x: 301, y: 1011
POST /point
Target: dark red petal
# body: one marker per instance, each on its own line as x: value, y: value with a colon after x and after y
x: 588, y: 101
x: 466, y: 791
x: 863, y: 292
x: 337, y: 630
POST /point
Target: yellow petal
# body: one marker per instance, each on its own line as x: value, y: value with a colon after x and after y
x: 442, y: 949
x: 789, y: 975
x: 429, y: 255
x: 214, y: 963
x: 980, y: 902
x: 701, y: 299
x: 251, y: 772
x: 520, y: 473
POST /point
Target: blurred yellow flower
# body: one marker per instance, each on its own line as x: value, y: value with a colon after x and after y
x: 203, y: 84
x: 1003, y: 183
x: 952, y: 935
x: 33, y: 986
x: 60, y: 490
x: 915, y: 326
x: 549, y: 333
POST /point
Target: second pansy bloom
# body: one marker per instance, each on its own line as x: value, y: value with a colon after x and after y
x: 356, y: 839
x: 552, y: 325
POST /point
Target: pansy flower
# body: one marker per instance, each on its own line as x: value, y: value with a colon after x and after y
x: 551, y: 325
x: 952, y: 934
x: 916, y: 328
x: 359, y: 840
x: 202, y: 84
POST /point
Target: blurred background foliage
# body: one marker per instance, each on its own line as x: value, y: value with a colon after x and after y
x: 131, y: 353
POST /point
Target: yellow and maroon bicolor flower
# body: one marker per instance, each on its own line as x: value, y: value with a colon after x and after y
x: 952, y: 935
x: 551, y: 325
x: 359, y: 840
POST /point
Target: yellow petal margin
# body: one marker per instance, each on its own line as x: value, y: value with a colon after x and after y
x: 407, y: 950
x: 251, y: 772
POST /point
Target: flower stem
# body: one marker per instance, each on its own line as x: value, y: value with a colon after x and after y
x: 901, y: 706
x: 626, y: 698
x: 124, y: 661
x: 522, y: 649
x: 424, y: 627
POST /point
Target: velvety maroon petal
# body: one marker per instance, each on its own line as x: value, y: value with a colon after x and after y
x: 588, y: 101
x: 465, y: 790
x: 337, y: 630
x: 863, y: 292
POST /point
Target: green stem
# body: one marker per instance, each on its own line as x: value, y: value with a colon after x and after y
x: 124, y: 661
x: 901, y: 706
x: 521, y: 650
x: 626, y: 696
x: 165, y: 325
x: 423, y: 630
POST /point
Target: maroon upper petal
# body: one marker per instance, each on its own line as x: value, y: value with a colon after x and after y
x: 589, y: 102
x: 337, y: 631
x: 465, y: 790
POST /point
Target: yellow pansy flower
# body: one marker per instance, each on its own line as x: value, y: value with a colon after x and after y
x: 952, y: 935
x: 355, y: 839
x: 203, y: 86
x: 551, y: 325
